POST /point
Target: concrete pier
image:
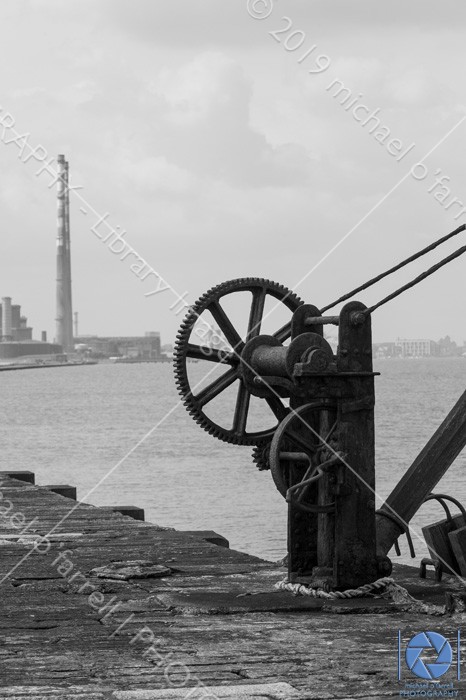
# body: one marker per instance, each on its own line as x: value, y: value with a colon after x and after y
x: 108, y: 607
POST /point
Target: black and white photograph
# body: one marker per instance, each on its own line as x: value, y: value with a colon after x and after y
x: 232, y: 349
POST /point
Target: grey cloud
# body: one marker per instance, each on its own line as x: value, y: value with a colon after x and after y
x: 226, y: 22
x: 208, y: 132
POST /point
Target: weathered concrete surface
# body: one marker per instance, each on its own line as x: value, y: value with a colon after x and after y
x: 214, y: 620
x: 259, y: 691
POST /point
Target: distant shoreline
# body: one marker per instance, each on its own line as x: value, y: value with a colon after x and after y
x: 5, y: 368
x: 421, y: 357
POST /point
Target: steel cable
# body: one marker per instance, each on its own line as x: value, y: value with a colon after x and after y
x: 397, y: 267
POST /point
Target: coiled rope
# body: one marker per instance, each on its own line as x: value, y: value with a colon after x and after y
x: 397, y: 593
x: 368, y: 588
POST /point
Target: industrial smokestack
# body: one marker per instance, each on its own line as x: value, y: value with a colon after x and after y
x: 64, y: 319
x: 6, y: 318
x: 69, y: 305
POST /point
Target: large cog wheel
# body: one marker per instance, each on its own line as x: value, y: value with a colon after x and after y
x: 230, y: 356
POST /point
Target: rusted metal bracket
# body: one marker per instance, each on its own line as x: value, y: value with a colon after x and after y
x: 423, y: 475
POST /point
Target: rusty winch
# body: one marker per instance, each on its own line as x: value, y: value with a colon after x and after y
x: 319, y: 439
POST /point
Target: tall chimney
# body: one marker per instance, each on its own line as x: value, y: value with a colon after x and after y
x: 69, y: 305
x: 6, y: 318
x: 64, y: 319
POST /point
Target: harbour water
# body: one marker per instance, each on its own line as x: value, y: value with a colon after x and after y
x: 120, y: 434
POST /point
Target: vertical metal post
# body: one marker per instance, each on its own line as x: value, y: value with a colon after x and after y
x: 355, y: 536
x: 302, y: 527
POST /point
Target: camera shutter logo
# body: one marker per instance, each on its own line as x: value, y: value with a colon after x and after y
x: 429, y: 670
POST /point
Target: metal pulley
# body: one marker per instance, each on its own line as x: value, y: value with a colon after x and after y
x: 266, y: 363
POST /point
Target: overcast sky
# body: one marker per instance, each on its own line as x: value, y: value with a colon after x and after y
x: 224, y: 152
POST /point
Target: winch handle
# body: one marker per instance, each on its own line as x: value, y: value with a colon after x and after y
x: 441, y: 498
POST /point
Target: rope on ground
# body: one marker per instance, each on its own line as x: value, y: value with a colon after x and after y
x: 400, y: 596
x: 397, y: 593
x: 367, y: 589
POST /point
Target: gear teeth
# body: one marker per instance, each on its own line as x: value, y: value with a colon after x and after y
x: 260, y: 456
x: 279, y: 292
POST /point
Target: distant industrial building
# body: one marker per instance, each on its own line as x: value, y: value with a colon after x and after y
x: 448, y: 348
x: 16, y: 335
x: 386, y: 350
x: 417, y: 348
x: 409, y: 348
x: 146, y: 347
x: 406, y: 347
x: 13, y: 326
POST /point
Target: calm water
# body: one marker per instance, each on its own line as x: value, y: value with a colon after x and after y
x: 75, y: 425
